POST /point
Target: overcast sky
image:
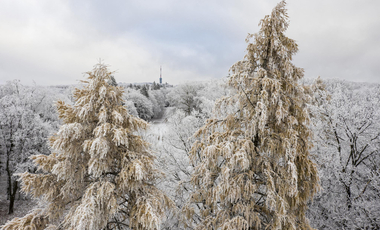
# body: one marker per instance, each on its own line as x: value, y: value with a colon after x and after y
x: 53, y: 42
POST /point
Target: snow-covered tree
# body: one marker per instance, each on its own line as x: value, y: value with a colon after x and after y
x: 158, y: 100
x: 185, y: 96
x: 347, y: 149
x: 112, y: 81
x: 209, y: 93
x: 144, y: 90
x: 23, y: 131
x: 131, y: 108
x: 253, y: 167
x: 155, y: 86
x: 101, y: 174
x: 142, y: 104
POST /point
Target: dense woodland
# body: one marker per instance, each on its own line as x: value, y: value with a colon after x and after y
x: 262, y: 148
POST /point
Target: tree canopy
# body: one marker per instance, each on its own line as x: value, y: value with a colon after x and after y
x: 101, y: 174
x: 253, y: 167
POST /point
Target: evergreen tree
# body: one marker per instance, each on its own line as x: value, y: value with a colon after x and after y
x: 101, y: 174
x: 112, y: 81
x: 156, y: 86
x: 253, y: 168
x: 144, y: 91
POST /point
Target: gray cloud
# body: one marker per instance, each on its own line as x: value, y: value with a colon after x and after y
x: 54, y: 42
x: 337, y: 39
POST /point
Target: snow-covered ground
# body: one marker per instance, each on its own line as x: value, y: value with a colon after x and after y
x: 158, y: 127
x: 21, y: 207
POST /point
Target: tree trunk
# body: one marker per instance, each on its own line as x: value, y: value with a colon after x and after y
x: 9, y: 178
x: 11, y: 192
x: 13, y: 196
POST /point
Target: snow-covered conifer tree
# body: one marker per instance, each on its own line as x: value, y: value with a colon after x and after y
x: 253, y: 169
x: 101, y: 174
x: 112, y: 81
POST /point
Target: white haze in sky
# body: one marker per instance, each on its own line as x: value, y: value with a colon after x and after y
x: 54, y: 42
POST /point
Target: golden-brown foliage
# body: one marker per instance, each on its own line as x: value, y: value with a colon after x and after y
x: 32, y: 221
x: 253, y: 167
x: 101, y: 174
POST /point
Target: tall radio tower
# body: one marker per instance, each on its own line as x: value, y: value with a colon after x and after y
x: 160, y: 74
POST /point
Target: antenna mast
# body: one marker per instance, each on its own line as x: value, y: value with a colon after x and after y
x: 160, y: 74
